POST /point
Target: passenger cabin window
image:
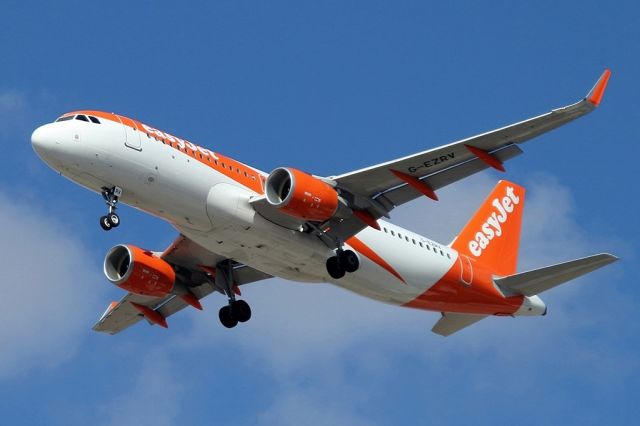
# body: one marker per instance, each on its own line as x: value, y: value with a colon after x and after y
x: 94, y: 119
x: 82, y: 118
x: 65, y: 118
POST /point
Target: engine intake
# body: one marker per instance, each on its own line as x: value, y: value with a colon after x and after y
x: 301, y: 195
x: 139, y: 271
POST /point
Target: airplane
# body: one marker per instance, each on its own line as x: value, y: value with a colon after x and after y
x: 239, y: 225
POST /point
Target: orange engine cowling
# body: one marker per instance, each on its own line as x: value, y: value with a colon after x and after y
x: 139, y: 271
x: 301, y: 195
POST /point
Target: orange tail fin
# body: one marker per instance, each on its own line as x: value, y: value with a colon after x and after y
x: 492, y: 235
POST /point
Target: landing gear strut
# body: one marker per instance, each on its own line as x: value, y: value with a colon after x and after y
x: 344, y: 261
x: 237, y: 310
x: 111, y: 196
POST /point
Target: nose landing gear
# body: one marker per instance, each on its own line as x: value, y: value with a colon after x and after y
x: 111, y: 196
x: 344, y: 261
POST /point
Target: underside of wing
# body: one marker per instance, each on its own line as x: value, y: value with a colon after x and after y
x: 195, y: 271
x: 380, y: 188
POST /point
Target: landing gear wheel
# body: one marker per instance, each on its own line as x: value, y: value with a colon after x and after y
x: 349, y: 261
x: 241, y: 310
x: 113, y: 219
x: 105, y: 223
x: 334, y: 268
x: 226, y: 317
x: 111, y: 196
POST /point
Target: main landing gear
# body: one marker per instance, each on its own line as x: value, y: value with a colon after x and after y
x: 237, y: 310
x: 111, y: 196
x: 344, y: 261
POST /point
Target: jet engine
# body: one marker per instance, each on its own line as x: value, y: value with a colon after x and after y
x: 139, y: 271
x: 301, y: 195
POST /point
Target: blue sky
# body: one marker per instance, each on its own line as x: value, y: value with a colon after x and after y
x: 327, y: 87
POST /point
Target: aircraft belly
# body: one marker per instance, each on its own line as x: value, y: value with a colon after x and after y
x: 241, y: 234
x: 400, y: 272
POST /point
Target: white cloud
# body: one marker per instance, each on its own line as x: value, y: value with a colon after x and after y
x: 151, y: 398
x: 297, y: 405
x: 48, y: 290
x: 441, y: 220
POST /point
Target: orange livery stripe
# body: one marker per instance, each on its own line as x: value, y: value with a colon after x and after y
x: 239, y: 172
x: 368, y: 252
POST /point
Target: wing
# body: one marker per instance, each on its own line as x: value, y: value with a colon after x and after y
x: 187, y: 258
x: 380, y: 188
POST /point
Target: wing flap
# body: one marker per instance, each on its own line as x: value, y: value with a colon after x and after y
x: 536, y: 281
x: 404, y: 193
x: 452, y: 322
x: 122, y: 314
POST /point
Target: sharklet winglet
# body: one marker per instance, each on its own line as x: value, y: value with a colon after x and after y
x: 595, y: 95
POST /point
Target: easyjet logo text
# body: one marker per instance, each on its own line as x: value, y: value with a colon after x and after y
x: 181, y: 143
x: 492, y: 227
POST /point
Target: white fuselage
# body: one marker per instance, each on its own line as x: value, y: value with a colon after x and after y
x: 211, y: 207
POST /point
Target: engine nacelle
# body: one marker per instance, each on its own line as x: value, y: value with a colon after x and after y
x: 139, y: 271
x: 301, y: 195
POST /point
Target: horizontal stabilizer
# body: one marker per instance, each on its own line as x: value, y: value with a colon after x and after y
x: 536, y: 281
x: 452, y: 322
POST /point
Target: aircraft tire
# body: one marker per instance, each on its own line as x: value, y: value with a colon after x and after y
x: 105, y: 223
x: 113, y: 219
x: 241, y: 310
x: 349, y: 261
x: 334, y: 268
x: 226, y: 318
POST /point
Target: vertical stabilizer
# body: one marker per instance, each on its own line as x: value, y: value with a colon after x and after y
x: 492, y: 236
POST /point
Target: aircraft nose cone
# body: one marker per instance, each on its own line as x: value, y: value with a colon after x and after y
x: 42, y: 140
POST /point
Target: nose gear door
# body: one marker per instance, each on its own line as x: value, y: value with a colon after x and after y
x: 132, y: 133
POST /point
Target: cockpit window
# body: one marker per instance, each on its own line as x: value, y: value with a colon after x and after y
x: 94, y: 119
x: 82, y: 118
x: 65, y: 118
